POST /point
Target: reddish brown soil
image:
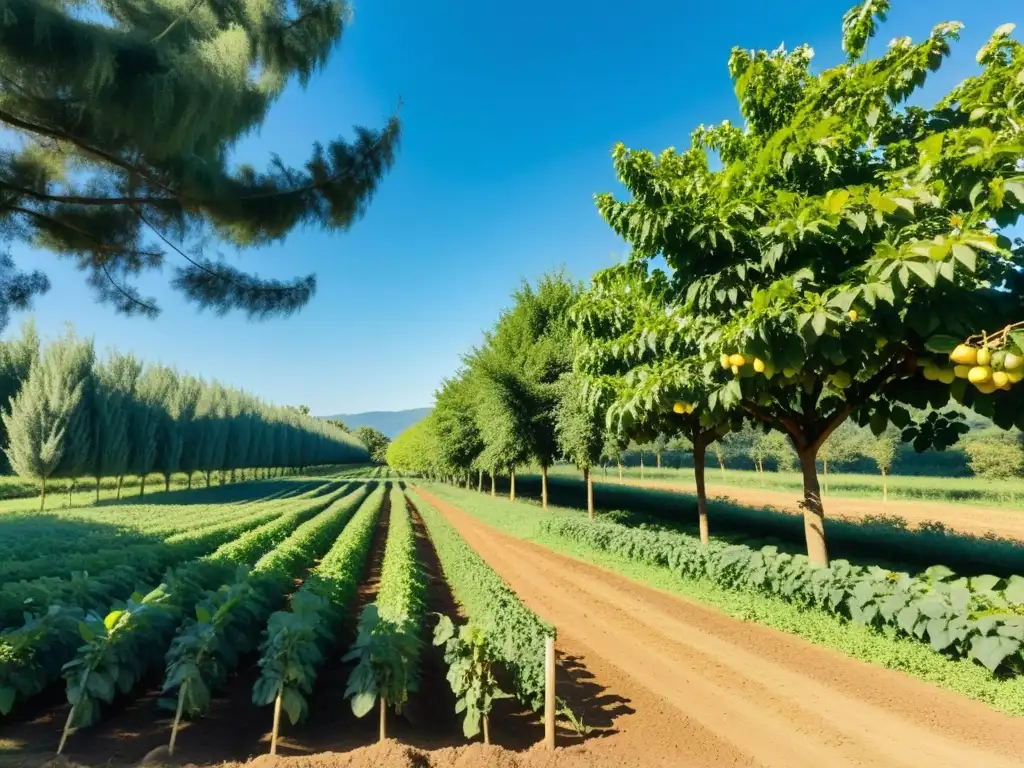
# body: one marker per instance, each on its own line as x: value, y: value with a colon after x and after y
x: 978, y: 521
x: 709, y: 689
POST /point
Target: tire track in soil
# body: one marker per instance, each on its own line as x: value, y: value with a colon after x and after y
x: 772, y: 698
x: 232, y: 729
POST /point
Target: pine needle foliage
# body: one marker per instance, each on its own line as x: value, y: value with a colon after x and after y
x: 125, y: 117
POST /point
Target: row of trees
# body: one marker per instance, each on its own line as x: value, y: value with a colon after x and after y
x: 75, y: 416
x: 821, y: 271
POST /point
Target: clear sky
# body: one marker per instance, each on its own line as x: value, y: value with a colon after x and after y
x: 509, y: 113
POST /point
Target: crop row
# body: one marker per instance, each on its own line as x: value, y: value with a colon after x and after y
x: 31, y: 656
x: 230, y: 621
x: 297, y: 639
x: 516, y: 633
x: 388, y: 645
x: 981, y: 618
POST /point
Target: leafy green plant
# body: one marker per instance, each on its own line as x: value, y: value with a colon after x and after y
x: 981, y: 618
x: 296, y: 640
x: 471, y: 660
x: 31, y: 655
x: 516, y: 632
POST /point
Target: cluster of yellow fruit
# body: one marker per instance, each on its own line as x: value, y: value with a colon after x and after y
x: 683, y: 409
x: 737, y: 361
x: 986, y: 369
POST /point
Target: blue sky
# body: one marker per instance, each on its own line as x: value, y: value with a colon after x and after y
x: 509, y: 113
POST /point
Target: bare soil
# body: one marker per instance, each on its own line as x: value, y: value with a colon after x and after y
x: 977, y: 521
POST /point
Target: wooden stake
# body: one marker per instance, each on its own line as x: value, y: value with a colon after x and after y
x: 177, y: 719
x: 383, y: 719
x: 67, y: 730
x: 487, y: 731
x: 277, y: 723
x: 549, y: 693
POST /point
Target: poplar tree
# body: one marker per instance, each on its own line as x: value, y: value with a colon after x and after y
x: 194, y: 432
x: 110, y: 448
x: 123, y: 372
x: 158, y: 387
x: 16, y: 359
x: 48, y: 422
x: 125, y: 118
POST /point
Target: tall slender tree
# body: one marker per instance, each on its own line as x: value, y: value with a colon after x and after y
x: 48, y: 421
x: 17, y: 355
x: 110, y: 447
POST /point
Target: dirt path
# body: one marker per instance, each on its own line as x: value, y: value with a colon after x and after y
x: 965, y: 518
x: 719, y: 691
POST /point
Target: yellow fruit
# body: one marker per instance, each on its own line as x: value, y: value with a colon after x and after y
x: 759, y: 365
x: 679, y: 407
x: 961, y: 371
x: 984, y: 356
x: 964, y: 355
x: 735, y: 370
x: 931, y: 373
x: 1000, y: 379
x: 841, y: 380
x: 736, y: 361
x: 946, y: 375
x: 1012, y: 362
x: 852, y: 315
x: 986, y: 387
x: 1015, y: 375
x: 769, y: 370
x: 724, y: 360
x: 979, y: 374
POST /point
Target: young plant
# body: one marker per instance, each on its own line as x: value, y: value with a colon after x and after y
x: 470, y: 659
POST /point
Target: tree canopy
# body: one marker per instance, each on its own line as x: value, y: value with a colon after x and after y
x: 124, y: 120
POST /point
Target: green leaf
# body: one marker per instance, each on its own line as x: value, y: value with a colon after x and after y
x: 7, y: 697
x: 292, y: 704
x: 87, y: 634
x: 818, y: 322
x: 203, y: 615
x: 992, y: 650
x: 924, y: 271
x: 941, y: 344
x: 1014, y: 592
x: 859, y: 219
x: 966, y: 256
x: 363, y: 702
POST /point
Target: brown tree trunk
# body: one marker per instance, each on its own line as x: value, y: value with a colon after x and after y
x: 494, y: 482
x: 480, y: 481
x: 658, y: 457
x: 71, y: 488
x: 814, y: 512
x: 42, y: 495
x: 142, y: 486
x: 167, y: 483
x: 512, y: 485
x: 97, y: 489
x: 232, y: 475
x: 544, y: 487
x: 885, y: 487
x: 699, y: 453
x: 120, y: 480
x: 208, y: 474
x: 189, y: 486
x: 590, y: 492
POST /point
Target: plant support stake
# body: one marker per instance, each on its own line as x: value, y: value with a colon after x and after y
x: 549, y: 693
x: 383, y: 719
x: 277, y: 723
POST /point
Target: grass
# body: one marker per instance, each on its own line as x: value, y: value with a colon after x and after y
x: 879, y: 542
x: 954, y: 490
x: 963, y: 677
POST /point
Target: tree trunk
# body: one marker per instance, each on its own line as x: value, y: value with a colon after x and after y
x: 167, y: 483
x: 824, y: 477
x: 512, y: 485
x: 42, y: 495
x: 208, y: 474
x: 641, y: 465
x: 620, y: 471
x: 383, y: 719
x: 120, y: 479
x: 71, y: 489
x: 699, y: 454
x: 189, y: 486
x: 494, y: 483
x: 721, y: 467
x: 232, y: 475
x: 97, y: 489
x: 590, y: 492
x: 480, y: 481
x: 142, y: 486
x: 544, y: 487
x: 814, y: 512
x: 658, y: 457
x: 885, y: 487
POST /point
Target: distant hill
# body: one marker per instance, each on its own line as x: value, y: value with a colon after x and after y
x: 391, y: 423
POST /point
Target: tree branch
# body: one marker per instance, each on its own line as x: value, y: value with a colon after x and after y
x: 80, y: 200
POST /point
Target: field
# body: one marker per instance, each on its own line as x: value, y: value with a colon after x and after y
x: 342, y: 569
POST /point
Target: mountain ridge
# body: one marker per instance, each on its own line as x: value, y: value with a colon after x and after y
x: 390, y: 423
